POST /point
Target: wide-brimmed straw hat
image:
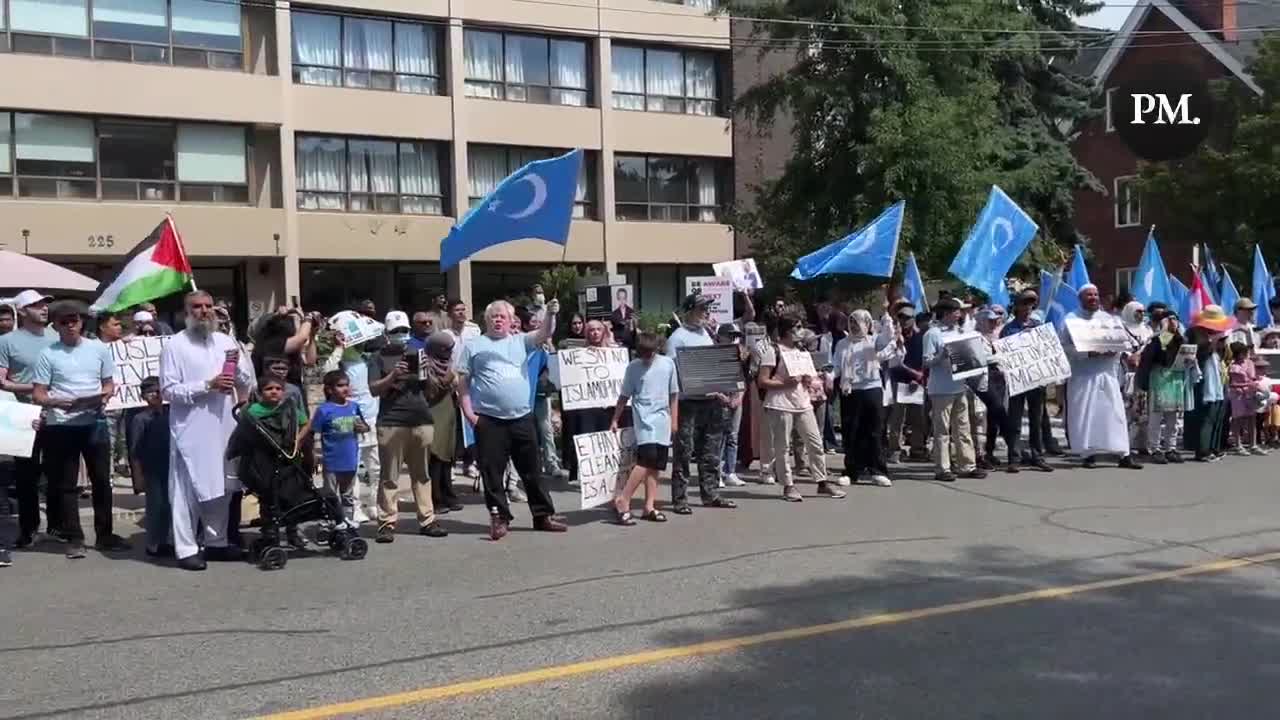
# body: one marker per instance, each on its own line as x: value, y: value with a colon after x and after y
x: 1213, y: 318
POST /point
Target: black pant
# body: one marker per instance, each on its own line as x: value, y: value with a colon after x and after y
x: 498, y: 441
x: 441, y: 474
x: 862, y: 425
x: 63, y: 447
x: 578, y: 422
x: 1033, y: 402
x: 997, y: 422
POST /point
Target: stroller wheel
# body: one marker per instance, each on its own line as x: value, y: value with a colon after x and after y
x: 354, y: 549
x: 273, y: 558
x: 324, y: 536
x: 258, y: 547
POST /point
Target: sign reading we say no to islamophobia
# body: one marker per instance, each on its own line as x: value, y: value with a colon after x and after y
x: 135, y: 359
x: 591, y: 377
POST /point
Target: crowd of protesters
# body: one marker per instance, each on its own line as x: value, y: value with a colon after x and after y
x: 472, y: 404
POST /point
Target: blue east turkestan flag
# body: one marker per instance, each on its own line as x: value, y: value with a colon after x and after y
x: 535, y: 201
x: 1062, y: 299
x: 1180, y: 300
x: 1078, y: 274
x: 1151, y: 280
x: 1229, y: 295
x: 913, y: 285
x: 1263, y: 287
x: 1001, y: 234
x: 1209, y: 288
x: 1212, y: 279
x: 869, y: 251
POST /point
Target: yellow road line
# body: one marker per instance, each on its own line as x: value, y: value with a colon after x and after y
x: 557, y: 672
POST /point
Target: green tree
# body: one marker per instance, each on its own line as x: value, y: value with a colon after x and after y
x: 892, y: 100
x: 1227, y: 193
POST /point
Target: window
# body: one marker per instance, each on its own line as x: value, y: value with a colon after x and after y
x: 192, y: 33
x: 73, y: 157
x: 1127, y: 202
x: 702, y: 4
x: 365, y: 53
x: 667, y: 189
x: 369, y: 175
x: 525, y: 68
x: 659, y: 80
x: 1124, y: 280
x: 488, y: 165
x: 1106, y: 113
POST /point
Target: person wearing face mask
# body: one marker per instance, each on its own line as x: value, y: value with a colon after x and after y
x: 858, y: 361
x: 1095, y: 402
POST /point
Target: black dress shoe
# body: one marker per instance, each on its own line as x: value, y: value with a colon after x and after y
x: 192, y: 562
x: 455, y: 507
x: 1129, y: 463
x: 160, y: 551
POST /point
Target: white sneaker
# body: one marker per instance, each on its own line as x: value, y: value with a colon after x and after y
x: 472, y: 471
x: 844, y: 481
x: 516, y: 495
x: 359, y: 516
x: 881, y: 481
x: 1258, y: 450
x: 1240, y: 451
x: 768, y: 480
x: 732, y: 480
x: 720, y: 483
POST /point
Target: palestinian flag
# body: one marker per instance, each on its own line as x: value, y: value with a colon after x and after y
x: 155, y: 268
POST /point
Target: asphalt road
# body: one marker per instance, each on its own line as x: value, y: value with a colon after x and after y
x: 942, y: 571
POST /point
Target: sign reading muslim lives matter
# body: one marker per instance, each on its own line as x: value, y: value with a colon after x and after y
x: 591, y: 377
x: 136, y: 359
x: 1031, y: 359
x: 604, y: 460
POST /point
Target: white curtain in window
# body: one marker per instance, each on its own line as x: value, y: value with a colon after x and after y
x: 211, y: 154
x: 701, y: 4
x: 6, y: 144
x: 372, y: 166
x: 317, y: 40
x: 366, y: 44
x: 705, y: 175
x: 420, y: 175
x: 700, y: 75
x: 53, y: 137
x: 148, y: 13
x: 483, y: 55
x: 569, y: 70
x: 415, y: 49
x: 628, y: 77
x: 486, y: 167
x: 664, y: 73
x: 207, y: 24
x: 59, y: 17
x: 321, y: 167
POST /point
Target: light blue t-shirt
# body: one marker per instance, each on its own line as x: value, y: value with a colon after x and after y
x: 1213, y: 379
x: 73, y: 371
x: 498, y: 375
x: 650, y: 388
x: 940, y: 381
x: 19, y: 351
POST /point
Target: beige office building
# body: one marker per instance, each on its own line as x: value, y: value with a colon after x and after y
x: 323, y: 151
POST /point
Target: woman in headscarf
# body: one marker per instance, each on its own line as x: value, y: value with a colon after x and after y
x: 857, y: 361
x: 1134, y: 318
x: 438, y: 390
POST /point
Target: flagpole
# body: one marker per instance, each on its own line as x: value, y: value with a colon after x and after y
x: 174, y: 227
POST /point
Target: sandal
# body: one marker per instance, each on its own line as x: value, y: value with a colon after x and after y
x: 655, y: 516
x: 721, y: 503
x: 623, y: 517
x: 682, y: 510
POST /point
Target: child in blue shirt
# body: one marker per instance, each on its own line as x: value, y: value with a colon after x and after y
x: 339, y: 423
x: 149, y: 460
x: 650, y: 384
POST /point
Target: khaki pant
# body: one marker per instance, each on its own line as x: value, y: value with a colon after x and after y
x: 780, y: 426
x: 951, y: 425
x: 408, y: 445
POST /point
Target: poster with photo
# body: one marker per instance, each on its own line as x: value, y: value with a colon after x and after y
x: 968, y: 354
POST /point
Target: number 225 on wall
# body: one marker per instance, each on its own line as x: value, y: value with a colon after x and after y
x: 102, y: 241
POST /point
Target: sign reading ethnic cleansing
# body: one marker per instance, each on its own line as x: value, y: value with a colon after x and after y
x: 1031, y: 359
x: 1103, y: 334
x: 591, y: 377
x: 136, y: 359
x: 604, y: 460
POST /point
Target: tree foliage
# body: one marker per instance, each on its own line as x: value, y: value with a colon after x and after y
x: 1227, y: 193
x: 917, y: 100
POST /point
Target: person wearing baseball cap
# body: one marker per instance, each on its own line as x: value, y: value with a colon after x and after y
x: 949, y: 397
x: 1032, y: 450
x: 1246, y: 332
x: 19, y: 351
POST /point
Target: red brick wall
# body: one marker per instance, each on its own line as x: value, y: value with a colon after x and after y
x: 1105, y: 155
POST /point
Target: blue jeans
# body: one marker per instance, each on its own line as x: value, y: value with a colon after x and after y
x: 546, y: 436
x: 729, y: 458
x: 159, y: 517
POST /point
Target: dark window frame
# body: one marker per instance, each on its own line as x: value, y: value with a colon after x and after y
x: 590, y: 205
x: 504, y: 86
x: 438, y: 88
x: 88, y: 47
x: 686, y: 101
x: 691, y: 208
x: 442, y: 166
x: 12, y: 184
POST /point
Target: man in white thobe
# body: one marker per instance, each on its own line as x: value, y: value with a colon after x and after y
x: 200, y: 398
x: 1095, y: 404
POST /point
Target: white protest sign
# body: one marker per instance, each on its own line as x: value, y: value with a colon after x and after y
x: 968, y: 354
x: 17, y: 437
x: 591, y: 377
x: 1104, y: 334
x: 136, y: 359
x: 604, y: 460
x: 1031, y: 359
x: 743, y: 273
x: 720, y: 290
x: 355, y: 328
x: 798, y: 363
x: 909, y: 396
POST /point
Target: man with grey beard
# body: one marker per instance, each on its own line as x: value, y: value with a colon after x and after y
x: 198, y: 382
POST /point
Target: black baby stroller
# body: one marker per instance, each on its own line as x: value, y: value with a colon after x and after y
x: 282, y: 482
